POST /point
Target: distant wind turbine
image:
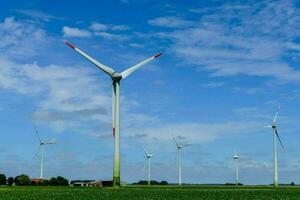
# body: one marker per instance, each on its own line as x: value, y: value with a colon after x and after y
x: 179, y: 148
x: 275, y: 138
x: 116, y: 79
x: 148, y: 157
x: 236, y: 159
x: 42, y: 144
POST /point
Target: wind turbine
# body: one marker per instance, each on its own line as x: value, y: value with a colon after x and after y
x: 179, y: 148
x: 236, y: 159
x: 116, y: 79
x: 275, y: 138
x: 148, y: 157
x: 42, y: 145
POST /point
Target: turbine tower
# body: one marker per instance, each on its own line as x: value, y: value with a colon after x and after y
x: 148, y: 157
x: 42, y: 146
x: 236, y: 159
x: 179, y: 147
x: 275, y: 138
x: 116, y: 79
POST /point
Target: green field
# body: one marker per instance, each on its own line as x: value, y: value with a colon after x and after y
x: 157, y: 193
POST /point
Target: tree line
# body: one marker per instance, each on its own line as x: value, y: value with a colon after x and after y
x: 24, y: 180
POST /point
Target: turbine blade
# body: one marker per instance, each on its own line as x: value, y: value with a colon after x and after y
x: 104, y: 68
x: 279, y: 138
x: 175, y: 142
x: 275, y: 117
x: 37, y: 153
x: 145, y: 164
x: 45, y: 143
x: 146, y: 153
x: 127, y: 72
x: 185, y: 145
x: 38, y: 135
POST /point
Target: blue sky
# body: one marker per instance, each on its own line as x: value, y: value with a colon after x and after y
x: 225, y: 68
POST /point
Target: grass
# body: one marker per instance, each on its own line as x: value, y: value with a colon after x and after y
x: 155, y: 192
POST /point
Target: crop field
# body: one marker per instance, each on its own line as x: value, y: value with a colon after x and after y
x: 157, y: 193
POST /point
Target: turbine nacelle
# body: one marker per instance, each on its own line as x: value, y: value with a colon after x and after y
x: 116, y: 77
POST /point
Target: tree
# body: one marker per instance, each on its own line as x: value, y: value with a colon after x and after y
x: 53, y: 181
x: 10, y: 181
x: 22, y: 179
x: 2, y: 179
x: 292, y: 183
x: 45, y: 183
x: 61, y: 181
x: 164, y: 183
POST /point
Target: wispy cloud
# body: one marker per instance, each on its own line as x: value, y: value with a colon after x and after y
x: 111, y: 36
x: 75, y: 32
x: 213, y: 84
x: 171, y: 22
x: 95, y: 26
x: 39, y: 15
x: 98, y: 27
x: 233, y: 41
x: 21, y: 40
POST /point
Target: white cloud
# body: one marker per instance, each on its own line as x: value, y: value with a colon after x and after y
x: 38, y: 15
x: 213, y: 84
x: 258, y: 45
x: 119, y: 27
x: 98, y: 27
x: 64, y: 96
x: 75, y: 32
x: 21, y: 39
x: 194, y: 133
x: 171, y: 22
x: 95, y: 26
x: 111, y: 36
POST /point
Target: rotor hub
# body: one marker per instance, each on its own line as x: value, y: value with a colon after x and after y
x: 116, y: 77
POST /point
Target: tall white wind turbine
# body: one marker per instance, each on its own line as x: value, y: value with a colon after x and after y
x: 236, y: 159
x: 116, y: 79
x: 148, y: 157
x: 275, y: 138
x: 179, y: 148
x: 42, y: 146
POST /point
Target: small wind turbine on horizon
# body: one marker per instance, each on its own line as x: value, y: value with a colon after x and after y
x: 236, y: 159
x: 179, y: 148
x: 148, y: 157
x: 42, y: 145
x: 116, y: 79
x: 275, y: 138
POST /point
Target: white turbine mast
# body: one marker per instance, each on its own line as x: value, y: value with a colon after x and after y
x: 116, y: 79
x: 179, y: 148
x: 275, y: 138
x: 42, y: 145
x: 148, y: 157
x: 236, y: 159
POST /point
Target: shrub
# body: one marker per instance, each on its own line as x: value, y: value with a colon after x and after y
x: 10, y: 181
x: 2, y: 179
x: 22, y: 179
x: 59, y: 181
